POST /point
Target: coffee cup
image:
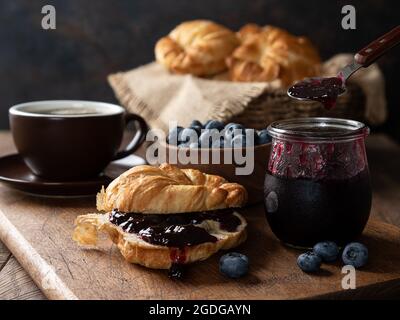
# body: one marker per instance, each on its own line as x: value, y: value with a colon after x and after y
x: 69, y: 139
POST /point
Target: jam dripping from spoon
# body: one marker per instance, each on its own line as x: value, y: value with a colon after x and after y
x: 326, y: 90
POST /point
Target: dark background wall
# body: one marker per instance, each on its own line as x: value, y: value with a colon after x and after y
x: 97, y: 37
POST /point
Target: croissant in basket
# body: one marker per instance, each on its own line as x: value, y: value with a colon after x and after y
x: 197, y: 47
x: 271, y: 53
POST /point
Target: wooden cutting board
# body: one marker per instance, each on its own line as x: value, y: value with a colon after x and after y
x: 38, y: 232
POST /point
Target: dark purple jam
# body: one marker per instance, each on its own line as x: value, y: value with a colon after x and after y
x: 178, y: 258
x: 302, y: 211
x: 317, y: 191
x: 324, y: 90
x: 176, y: 271
x: 331, y: 161
x: 176, y: 235
x: 174, y: 230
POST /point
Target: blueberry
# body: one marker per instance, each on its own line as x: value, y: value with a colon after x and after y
x: 234, y: 125
x: 174, y: 135
x: 214, y: 124
x: 263, y: 137
x: 309, y: 262
x: 206, y: 123
x: 234, y: 265
x: 328, y: 251
x: 189, y: 135
x: 355, y: 254
x: 231, y: 129
x: 196, y: 123
x: 197, y: 129
x: 228, y: 125
x: 238, y: 141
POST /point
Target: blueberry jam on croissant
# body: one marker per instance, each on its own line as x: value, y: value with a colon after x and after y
x: 175, y: 230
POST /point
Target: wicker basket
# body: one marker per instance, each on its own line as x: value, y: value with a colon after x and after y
x: 272, y: 106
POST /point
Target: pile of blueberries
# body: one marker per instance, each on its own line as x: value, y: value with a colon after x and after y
x: 236, y: 265
x: 232, y: 135
x: 354, y: 254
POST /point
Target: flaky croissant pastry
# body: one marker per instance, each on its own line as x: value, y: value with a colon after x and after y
x: 168, y: 189
x: 198, y: 47
x: 271, y: 53
x: 160, y: 218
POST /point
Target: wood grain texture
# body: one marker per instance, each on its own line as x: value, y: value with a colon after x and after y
x: 6, y: 143
x: 16, y: 284
x: 69, y: 272
x: 41, y: 271
x: 4, y: 255
x: 63, y: 270
x: 384, y: 160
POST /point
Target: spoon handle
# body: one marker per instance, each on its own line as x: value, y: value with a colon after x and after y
x: 378, y: 47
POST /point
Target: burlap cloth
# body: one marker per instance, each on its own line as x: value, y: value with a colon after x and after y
x: 160, y: 96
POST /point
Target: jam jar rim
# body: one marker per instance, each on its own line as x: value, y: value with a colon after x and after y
x: 355, y: 129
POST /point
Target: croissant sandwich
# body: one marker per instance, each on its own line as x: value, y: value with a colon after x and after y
x: 165, y: 217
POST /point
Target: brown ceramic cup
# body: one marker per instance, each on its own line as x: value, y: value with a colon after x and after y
x: 70, y: 140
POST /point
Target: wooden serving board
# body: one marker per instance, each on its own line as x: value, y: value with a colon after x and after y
x: 38, y: 232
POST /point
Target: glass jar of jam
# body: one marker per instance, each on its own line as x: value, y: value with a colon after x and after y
x: 317, y: 186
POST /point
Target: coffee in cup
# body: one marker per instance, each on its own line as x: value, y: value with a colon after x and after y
x: 69, y: 140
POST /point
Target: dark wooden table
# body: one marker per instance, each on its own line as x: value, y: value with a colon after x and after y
x: 384, y: 159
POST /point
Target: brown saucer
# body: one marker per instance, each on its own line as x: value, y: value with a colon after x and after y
x: 16, y: 175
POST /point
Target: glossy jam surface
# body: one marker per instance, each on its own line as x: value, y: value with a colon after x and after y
x: 324, y: 90
x: 174, y: 230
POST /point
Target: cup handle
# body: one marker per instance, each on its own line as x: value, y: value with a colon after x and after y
x: 137, y: 140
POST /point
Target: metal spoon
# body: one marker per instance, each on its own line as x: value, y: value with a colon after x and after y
x: 326, y: 90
